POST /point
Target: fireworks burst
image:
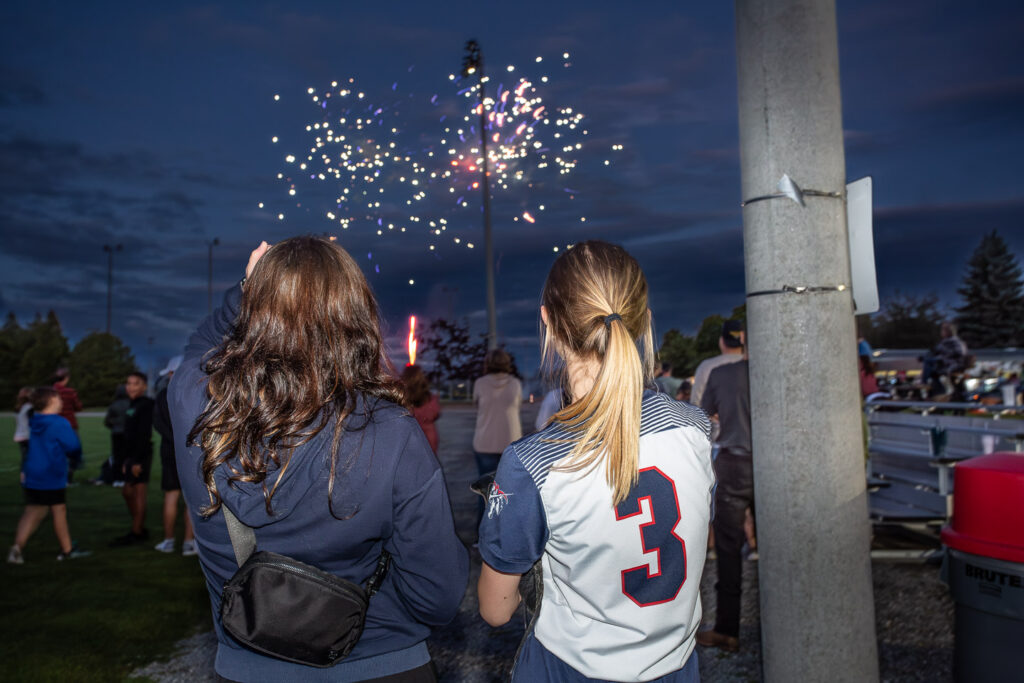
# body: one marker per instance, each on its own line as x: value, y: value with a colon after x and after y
x: 387, y: 177
x: 527, y: 138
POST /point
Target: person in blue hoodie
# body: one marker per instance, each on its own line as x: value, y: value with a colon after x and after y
x: 44, y: 474
x: 286, y: 411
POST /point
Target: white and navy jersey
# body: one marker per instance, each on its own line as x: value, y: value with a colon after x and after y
x: 621, y: 583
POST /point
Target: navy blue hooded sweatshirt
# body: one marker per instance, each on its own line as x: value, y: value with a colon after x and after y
x: 389, y: 493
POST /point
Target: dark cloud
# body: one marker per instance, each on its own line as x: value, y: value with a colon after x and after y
x: 1000, y: 101
x: 151, y: 128
x: 36, y: 166
x: 60, y: 202
x: 18, y: 89
x: 907, y: 259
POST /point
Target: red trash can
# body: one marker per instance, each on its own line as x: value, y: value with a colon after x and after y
x: 984, y: 567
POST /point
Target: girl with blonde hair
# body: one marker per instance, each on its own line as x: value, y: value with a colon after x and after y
x: 613, y: 496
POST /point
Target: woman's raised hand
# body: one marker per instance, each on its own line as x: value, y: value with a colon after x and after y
x: 255, y: 256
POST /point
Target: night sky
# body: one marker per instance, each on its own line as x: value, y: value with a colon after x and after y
x: 151, y: 125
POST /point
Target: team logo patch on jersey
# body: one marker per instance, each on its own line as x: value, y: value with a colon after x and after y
x: 496, y: 500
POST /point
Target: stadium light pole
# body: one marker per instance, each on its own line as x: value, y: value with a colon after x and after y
x: 209, y: 273
x: 473, y: 63
x: 110, y: 249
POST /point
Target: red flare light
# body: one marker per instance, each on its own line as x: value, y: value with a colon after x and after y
x: 412, y: 340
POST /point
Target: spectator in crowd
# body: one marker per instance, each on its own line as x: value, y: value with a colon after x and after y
x: 112, y: 471
x: 169, y: 481
x: 72, y: 405
x: 730, y: 345
x: 138, y: 457
x: 52, y: 444
x: 618, y: 471
x: 424, y: 405
x: 23, y: 406
x: 944, y: 365
x: 1011, y: 387
x: 667, y: 384
x: 329, y: 468
x: 553, y: 401
x: 685, y: 391
x: 868, y: 382
x: 727, y: 398
x: 864, y: 348
x: 498, y: 396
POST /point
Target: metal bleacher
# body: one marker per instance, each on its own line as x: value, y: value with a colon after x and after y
x: 912, y: 455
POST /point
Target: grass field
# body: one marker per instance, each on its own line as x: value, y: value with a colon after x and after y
x: 99, y: 617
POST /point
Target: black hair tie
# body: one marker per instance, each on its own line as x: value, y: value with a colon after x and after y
x: 608, y: 319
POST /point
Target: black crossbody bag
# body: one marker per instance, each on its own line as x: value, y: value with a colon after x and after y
x: 278, y: 606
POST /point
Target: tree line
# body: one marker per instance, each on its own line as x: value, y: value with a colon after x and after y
x: 31, y: 354
x: 990, y: 315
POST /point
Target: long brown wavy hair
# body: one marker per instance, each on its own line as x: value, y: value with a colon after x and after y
x: 596, y: 301
x: 306, y: 344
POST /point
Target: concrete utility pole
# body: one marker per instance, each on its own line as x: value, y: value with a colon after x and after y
x: 473, y: 63
x: 817, y: 609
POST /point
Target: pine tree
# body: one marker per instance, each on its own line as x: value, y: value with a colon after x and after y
x: 993, y: 295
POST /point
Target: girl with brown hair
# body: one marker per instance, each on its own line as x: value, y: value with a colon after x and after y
x: 286, y: 411
x: 424, y: 404
x: 613, y: 496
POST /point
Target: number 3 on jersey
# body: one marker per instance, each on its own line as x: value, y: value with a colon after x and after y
x: 658, y: 536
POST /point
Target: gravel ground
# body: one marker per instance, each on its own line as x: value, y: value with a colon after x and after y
x: 914, y: 612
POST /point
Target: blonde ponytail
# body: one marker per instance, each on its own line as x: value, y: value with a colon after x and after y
x: 596, y: 300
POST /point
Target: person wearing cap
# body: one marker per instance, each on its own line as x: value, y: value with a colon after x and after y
x: 730, y: 343
x: 726, y: 399
x: 169, y: 482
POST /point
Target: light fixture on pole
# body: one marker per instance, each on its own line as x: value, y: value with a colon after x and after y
x: 209, y: 273
x: 473, y: 63
x: 110, y: 279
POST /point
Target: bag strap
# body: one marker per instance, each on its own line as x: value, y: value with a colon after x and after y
x: 383, y: 564
x: 243, y: 538
x: 243, y: 542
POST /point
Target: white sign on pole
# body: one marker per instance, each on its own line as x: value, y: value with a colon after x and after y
x: 864, y: 282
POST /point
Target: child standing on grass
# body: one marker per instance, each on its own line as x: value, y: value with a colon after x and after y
x: 138, y: 457
x: 21, y: 430
x: 52, y: 442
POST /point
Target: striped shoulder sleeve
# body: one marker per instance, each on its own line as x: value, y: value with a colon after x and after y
x: 659, y: 413
x: 541, y: 451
